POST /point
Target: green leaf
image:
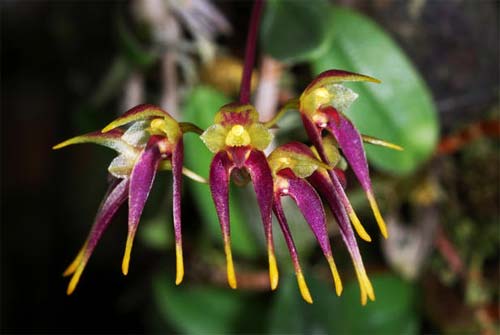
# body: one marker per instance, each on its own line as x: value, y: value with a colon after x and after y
x: 293, y: 31
x: 196, y: 309
x: 400, y: 109
x: 394, y: 311
x: 201, y: 105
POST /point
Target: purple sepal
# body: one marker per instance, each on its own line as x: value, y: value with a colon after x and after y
x: 351, y: 143
x: 314, y: 135
x: 280, y: 215
x: 262, y: 180
x: 323, y: 184
x: 141, y: 181
x: 220, y: 169
x: 114, y: 198
x: 177, y: 160
x: 309, y: 203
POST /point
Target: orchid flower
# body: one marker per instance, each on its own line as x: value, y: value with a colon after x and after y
x: 291, y: 167
x: 300, y: 174
x: 322, y: 106
x: 151, y: 143
x: 238, y: 139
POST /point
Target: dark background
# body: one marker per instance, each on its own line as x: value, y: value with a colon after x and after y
x: 52, y: 55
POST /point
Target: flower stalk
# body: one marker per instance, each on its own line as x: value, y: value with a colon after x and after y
x: 246, y: 78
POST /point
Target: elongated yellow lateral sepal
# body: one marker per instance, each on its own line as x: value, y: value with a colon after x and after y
x: 335, y: 274
x: 358, y: 226
x: 365, y: 285
x: 273, y: 269
x: 381, y: 143
x: 376, y: 213
x: 76, y: 262
x: 179, y: 275
x: 304, y: 290
x: 128, y: 250
x: 231, y: 276
x: 75, y: 278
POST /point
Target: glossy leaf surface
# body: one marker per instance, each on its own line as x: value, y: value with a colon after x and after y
x: 400, y: 109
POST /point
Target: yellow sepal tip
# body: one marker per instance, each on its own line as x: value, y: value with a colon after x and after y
x: 126, y: 256
x: 109, y: 127
x: 358, y: 226
x: 179, y: 275
x: 71, y: 141
x: 75, y: 279
x: 304, y: 290
x: 231, y: 276
x: 376, y: 213
x: 273, y: 270
x: 335, y: 274
x: 365, y: 285
x: 76, y: 262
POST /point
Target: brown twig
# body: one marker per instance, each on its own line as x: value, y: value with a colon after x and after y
x: 455, y: 142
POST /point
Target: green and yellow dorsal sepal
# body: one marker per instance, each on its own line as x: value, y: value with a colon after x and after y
x: 161, y: 122
x: 297, y: 157
x: 326, y: 89
x: 236, y: 125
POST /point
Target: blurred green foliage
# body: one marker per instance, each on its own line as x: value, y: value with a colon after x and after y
x: 399, y: 110
x: 294, y: 31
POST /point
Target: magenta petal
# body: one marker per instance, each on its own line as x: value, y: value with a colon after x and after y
x: 341, y: 176
x: 219, y: 186
x: 323, y: 184
x: 280, y: 215
x: 314, y: 135
x: 311, y: 207
x: 115, y: 197
x: 177, y: 159
x: 351, y: 143
x: 141, y: 181
x: 262, y: 180
x: 220, y: 170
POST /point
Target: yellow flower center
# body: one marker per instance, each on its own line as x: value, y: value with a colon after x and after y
x: 237, y: 137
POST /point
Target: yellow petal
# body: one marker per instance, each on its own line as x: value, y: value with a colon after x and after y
x: 179, y: 264
x: 273, y: 269
x: 76, y: 262
x: 335, y: 274
x: 231, y: 276
x: 75, y: 278
x: 376, y: 213
x: 128, y: 250
x: 358, y: 226
x: 304, y: 290
x: 214, y: 137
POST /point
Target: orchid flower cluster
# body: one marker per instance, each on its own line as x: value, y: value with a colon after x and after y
x: 148, y: 140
